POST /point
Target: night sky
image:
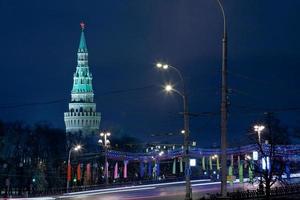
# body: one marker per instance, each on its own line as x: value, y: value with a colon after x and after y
x: 39, y: 41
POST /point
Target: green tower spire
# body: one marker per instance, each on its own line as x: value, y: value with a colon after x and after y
x: 82, y: 85
x: 82, y: 44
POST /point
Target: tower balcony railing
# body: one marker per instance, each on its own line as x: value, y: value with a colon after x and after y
x: 81, y: 114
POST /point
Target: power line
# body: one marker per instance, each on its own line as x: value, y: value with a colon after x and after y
x: 32, y: 104
x: 8, y: 106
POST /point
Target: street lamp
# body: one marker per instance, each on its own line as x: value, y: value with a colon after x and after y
x: 169, y: 88
x: 105, y: 143
x: 74, y: 148
x: 224, y: 106
x: 259, y: 129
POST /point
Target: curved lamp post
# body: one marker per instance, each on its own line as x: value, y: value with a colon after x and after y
x: 169, y: 88
x: 259, y: 128
x: 224, y: 104
x: 105, y: 143
x: 74, y: 148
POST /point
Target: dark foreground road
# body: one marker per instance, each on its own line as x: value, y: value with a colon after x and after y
x: 173, y: 191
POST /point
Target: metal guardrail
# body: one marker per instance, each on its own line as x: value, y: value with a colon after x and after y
x: 259, y: 194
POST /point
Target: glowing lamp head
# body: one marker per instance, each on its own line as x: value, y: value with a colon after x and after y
x: 101, y: 134
x: 165, y: 66
x: 162, y: 65
x: 259, y: 128
x: 108, y: 134
x: 77, y: 147
x: 168, y: 88
x: 159, y: 65
x: 215, y: 156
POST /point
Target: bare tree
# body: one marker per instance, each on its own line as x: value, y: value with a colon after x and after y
x: 271, y: 163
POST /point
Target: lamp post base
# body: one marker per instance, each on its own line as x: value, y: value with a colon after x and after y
x: 188, y: 197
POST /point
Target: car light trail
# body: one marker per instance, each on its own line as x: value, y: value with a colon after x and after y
x: 138, y: 186
x: 107, y: 192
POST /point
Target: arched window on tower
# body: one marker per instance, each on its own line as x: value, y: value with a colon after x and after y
x: 80, y: 109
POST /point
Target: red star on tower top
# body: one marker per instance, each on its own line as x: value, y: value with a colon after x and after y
x: 82, y: 25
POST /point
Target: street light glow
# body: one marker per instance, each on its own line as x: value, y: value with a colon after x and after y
x: 259, y: 128
x: 77, y: 147
x: 162, y: 65
x: 168, y: 88
x: 161, y: 153
x: 159, y: 65
x: 101, y: 134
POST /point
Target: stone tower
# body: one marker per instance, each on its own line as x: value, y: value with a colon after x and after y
x: 82, y: 118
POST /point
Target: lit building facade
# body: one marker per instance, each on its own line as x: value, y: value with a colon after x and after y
x: 82, y: 117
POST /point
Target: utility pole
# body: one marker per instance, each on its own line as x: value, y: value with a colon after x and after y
x: 224, y: 104
x: 188, y: 189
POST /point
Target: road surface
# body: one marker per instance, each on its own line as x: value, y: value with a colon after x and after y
x: 162, y: 191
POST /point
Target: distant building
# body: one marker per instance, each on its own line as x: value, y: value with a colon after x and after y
x: 82, y: 119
